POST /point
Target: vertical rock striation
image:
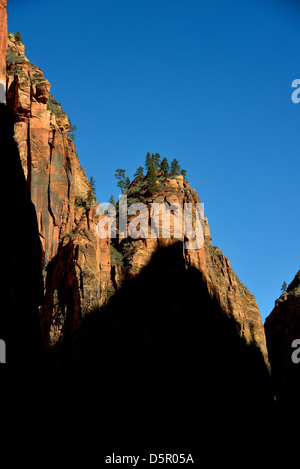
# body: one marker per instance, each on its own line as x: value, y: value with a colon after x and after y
x: 74, y: 259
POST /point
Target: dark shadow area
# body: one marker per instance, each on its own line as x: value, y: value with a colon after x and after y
x: 162, y: 366
x: 21, y: 275
x: 62, y: 293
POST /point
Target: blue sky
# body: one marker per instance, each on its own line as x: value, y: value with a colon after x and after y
x: 208, y: 83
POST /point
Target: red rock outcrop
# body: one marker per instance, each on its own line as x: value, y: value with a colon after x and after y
x: 170, y: 191
x: 221, y: 281
x: 77, y: 263
x: 282, y: 327
x: 3, y: 41
x: 59, y: 190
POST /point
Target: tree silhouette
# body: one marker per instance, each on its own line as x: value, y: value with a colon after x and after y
x: 164, y: 166
x: 139, y: 172
x: 156, y: 160
x: 183, y: 173
x: 111, y: 200
x: 123, y: 181
x: 148, y: 161
x: 175, y: 167
x: 91, y: 195
x: 152, y: 178
x: 18, y: 37
x: 284, y: 287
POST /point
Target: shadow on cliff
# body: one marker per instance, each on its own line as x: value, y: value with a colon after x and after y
x: 161, y: 362
x: 21, y: 270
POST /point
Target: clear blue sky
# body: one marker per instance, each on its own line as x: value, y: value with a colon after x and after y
x: 208, y: 83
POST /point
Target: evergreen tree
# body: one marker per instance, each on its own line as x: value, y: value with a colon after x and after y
x: 175, y: 167
x: 72, y: 130
x: 152, y: 178
x: 139, y: 172
x: 284, y: 287
x: 111, y: 200
x: 93, y: 185
x: 148, y: 161
x: 183, y: 173
x: 91, y: 197
x: 18, y: 37
x: 123, y: 181
x: 164, y: 166
x: 126, y: 183
x: 156, y: 160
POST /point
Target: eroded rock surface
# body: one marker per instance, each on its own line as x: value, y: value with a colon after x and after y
x: 75, y: 261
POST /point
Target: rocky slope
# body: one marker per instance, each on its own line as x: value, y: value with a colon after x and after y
x: 282, y: 328
x: 59, y: 189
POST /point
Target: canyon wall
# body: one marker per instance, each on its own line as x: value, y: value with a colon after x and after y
x: 75, y: 261
x: 78, y: 273
x: 140, y: 330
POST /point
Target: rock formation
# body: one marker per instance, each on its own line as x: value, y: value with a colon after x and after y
x: 178, y: 346
x: 137, y: 329
x: 282, y: 328
x: 233, y: 297
x: 59, y: 190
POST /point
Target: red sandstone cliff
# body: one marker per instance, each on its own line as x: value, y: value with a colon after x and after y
x: 75, y: 260
x: 77, y: 264
x: 221, y: 282
x: 179, y: 336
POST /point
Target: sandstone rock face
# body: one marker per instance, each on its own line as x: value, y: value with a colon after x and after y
x: 173, y: 193
x: 176, y: 349
x: 3, y: 40
x: 144, y: 330
x: 282, y: 327
x: 75, y: 260
x: 221, y: 282
x: 21, y: 282
x: 78, y: 275
x: 235, y: 299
